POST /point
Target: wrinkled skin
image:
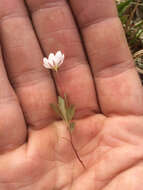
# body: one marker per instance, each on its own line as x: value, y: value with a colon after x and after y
x: 35, y: 151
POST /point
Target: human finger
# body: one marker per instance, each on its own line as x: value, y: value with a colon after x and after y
x: 56, y: 30
x: 23, y: 55
x: 13, y: 130
x: 118, y: 86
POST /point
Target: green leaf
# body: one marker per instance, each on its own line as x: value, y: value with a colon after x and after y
x: 72, y: 125
x: 56, y: 109
x: 62, y: 108
x: 139, y: 33
x: 123, y: 6
x: 124, y: 19
x: 70, y: 112
x: 139, y: 24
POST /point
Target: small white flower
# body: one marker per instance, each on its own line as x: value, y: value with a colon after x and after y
x: 53, y: 61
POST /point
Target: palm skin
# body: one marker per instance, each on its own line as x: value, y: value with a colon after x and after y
x: 35, y: 148
x: 112, y: 156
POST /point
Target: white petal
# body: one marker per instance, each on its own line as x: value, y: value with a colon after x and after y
x: 57, y: 60
x: 45, y: 60
x: 58, y: 54
x: 59, y: 57
x: 47, y: 66
x: 60, y: 63
x: 61, y: 60
x: 63, y: 56
x: 53, y: 61
x: 47, y: 63
x: 51, y: 57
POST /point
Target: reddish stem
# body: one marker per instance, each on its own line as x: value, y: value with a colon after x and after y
x: 75, y: 151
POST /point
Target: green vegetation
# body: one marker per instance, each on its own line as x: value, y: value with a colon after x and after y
x: 131, y: 15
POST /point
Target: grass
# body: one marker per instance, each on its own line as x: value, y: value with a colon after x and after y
x: 131, y: 15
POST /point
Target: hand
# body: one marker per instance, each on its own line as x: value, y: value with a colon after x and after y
x: 35, y: 152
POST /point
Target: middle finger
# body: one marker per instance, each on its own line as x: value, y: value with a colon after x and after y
x: 56, y: 30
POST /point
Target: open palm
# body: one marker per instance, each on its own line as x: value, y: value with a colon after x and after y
x: 35, y: 151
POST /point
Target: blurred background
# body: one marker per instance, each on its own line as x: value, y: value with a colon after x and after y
x: 131, y: 15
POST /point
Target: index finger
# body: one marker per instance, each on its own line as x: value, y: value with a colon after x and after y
x: 118, y: 85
